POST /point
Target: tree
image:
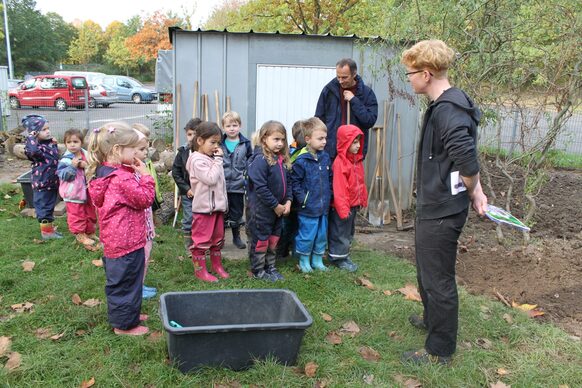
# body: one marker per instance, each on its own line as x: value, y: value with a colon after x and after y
x: 86, y: 47
x: 117, y: 53
x: 153, y: 36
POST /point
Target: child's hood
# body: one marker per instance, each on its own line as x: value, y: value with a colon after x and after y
x: 346, y: 134
x: 100, y: 184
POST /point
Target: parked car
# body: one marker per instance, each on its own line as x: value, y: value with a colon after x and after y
x: 90, y: 76
x: 101, y: 95
x: 128, y: 89
x: 60, y: 91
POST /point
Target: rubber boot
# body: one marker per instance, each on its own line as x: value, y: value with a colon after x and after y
x: 236, y: 238
x: 200, y: 270
x: 48, y: 231
x: 217, y: 268
x: 304, y: 263
x: 187, y: 241
x: 317, y: 262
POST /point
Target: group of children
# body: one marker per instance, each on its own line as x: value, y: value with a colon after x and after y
x: 288, y: 194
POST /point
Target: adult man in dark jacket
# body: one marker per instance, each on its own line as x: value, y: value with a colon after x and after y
x: 447, y: 180
x: 332, y: 106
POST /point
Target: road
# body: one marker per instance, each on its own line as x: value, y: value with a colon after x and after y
x: 75, y: 118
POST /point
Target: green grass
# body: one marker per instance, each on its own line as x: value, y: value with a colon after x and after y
x: 555, y: 158
x: 536, y: 355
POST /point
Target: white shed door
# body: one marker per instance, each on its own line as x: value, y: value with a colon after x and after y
x: 288, y: 93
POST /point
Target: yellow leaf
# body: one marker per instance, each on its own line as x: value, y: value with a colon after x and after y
x: 76, y: 299
x: 523, y: 307
x: 89, y: 383
x: 91, y: 302
x: 365, y: 282
x: 97, y: 263
x: 22, y: 307
x: 387, y: 292
x: 326, y: 317
x: 310, y: 369
x: 28, y: 265
x: 57, y: 337
x: 410, y: 292
x: 502, y: 372
x: 5, y: 343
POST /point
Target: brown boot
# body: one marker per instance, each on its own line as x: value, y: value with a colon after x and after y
x: 83, y: 239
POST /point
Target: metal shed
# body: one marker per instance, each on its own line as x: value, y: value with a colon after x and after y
x: 273, y: 76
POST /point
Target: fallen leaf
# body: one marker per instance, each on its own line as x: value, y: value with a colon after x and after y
x: 365, y: 282
x: 5, y: 343
x: 13, y: 361
x: 80, y: 332
x: 523, y: 307
x: 407, y: 382
x: 76, y: 299
x: 368, y: 379
x: 326, y: 317
x: 333, y: 338
x: 563, y: 386
x: 42, y: 333
x: 499, y: 384
x: 350, y: 328
x: 92, y: 302
x: 369, y: 354
x: 484, y: 343
x: 387, y: 292
x: 535, y: 313
x: 97, y: 262
x: 57, y: 337
x: 89, y: 383
x: 7, y: 196
x: 92, y: 248
x: 22, y: 307
x: 502, y: 372
x: 320, y: 383
x: 410, y: 292
x: 180, y: 258
x: 155, y: 336
x: 508, y: 318
x: 28, y: 265
x: 310, y: 369
x: 37, y: 241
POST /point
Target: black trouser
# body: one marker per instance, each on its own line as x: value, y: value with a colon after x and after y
x: 289, y: 229
x: 236, y: 207
x: 341, y: 234
x: 436, y: 254
x: 44, y: 204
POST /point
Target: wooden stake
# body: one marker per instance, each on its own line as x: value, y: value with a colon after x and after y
x: 399, y: 160
x: 228, y: 104
x: 217, y: 108
x: 385, y: 210
x: 195, y: 102
x: 349, y: 114
x: 206, y: 108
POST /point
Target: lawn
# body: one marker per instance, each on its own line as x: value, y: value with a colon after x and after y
x: 495, y: 343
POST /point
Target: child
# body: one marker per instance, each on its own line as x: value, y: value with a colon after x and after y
x: 237, y: 150
x: 158, y: 199
x: 311, y: 181
x: 73, y: 189
x: 141, y: 153
x: 289, y: 225
x: 41, y: 149
x: 182, y: 179
x: 269, y: 198
x: 349, y: 194
x: 209, y: 201
x: 121, y: 201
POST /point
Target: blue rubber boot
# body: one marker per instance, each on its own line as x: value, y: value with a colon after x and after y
x: 317, y: 262
x: 304, y: 263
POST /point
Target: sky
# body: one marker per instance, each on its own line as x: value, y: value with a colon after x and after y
x: 104, y: 12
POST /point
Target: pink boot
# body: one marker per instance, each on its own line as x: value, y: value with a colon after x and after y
x: 216, y: 260
x: 200, y: 270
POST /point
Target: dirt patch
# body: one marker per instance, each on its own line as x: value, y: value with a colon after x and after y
x: 548, y: 272
x: 11, y: 168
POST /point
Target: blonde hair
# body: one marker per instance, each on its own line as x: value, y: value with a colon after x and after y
x: 102, y: 140
x: 232, y: 116
x: 431, y: 54
x: 311, y: 125
x: 142, y: 128
x: 267, y: 130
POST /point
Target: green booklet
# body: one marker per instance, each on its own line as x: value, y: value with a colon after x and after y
x: 501, y: 216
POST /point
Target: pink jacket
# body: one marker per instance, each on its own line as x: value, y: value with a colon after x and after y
x: 207, y: 183
x: 121, y: 201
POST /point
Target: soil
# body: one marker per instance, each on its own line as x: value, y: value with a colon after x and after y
x: 547, y: 272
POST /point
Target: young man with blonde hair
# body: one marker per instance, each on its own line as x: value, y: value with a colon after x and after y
x: 447, y: 181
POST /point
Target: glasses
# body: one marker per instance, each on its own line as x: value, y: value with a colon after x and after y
x: 417, y: 71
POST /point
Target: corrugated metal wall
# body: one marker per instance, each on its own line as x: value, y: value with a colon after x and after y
x: 254, y: 70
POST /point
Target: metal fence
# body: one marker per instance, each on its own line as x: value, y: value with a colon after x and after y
x: 522, y: 130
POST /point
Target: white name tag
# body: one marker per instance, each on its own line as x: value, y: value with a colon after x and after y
x: 457, y: 184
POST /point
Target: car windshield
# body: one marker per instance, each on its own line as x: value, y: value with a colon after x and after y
x: 134, y: 82
x: 79, y: 83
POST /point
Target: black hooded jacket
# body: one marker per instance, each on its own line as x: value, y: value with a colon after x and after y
x: 448, y: 143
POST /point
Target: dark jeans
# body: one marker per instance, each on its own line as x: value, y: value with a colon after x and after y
x: 341, y: 234
x: 44, y: 204
x: 436, y: 255
x: 186, y: 214
x: 123, y: 288
x: 289, y: 229
x: 236, y: 207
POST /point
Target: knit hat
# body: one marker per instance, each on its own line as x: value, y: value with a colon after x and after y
x: 33, y: 123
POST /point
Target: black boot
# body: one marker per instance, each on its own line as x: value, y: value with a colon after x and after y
x: 236, y: 238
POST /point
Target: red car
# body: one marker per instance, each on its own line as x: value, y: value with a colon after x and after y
x: 60, y: 91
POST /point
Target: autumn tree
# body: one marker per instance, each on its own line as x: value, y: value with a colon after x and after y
x: 153, y: 36
x: 117, y: 52
x: 86, y: 47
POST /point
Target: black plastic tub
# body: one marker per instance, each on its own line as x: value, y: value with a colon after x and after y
x: 25, y: 181
x: 233, y: 328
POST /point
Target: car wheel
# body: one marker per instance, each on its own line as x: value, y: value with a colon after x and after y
x: 105, y: 105
x: 92, y: 103
x: 14, y: 103
x: 61, y: 105
x: 136, y: 98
